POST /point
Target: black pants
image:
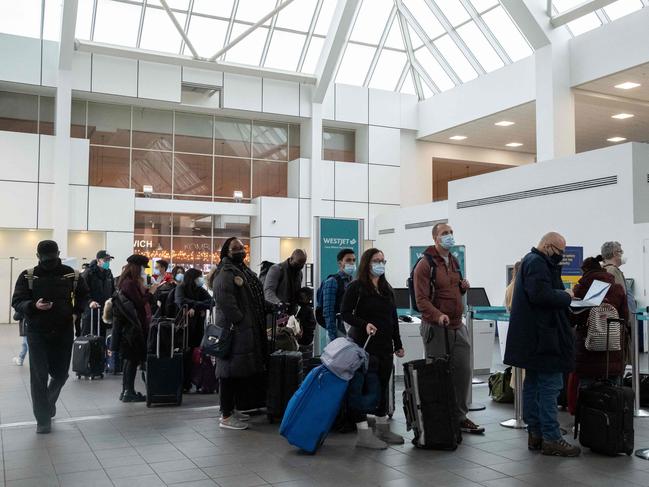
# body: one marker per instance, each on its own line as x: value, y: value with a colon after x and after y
x: 384, y: 372
x: 49, y: 362
x: 229, y: 387
x: 128, y: 376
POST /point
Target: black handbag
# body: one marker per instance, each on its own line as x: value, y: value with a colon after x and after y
x: 22, y: 327
x: 217, y: 341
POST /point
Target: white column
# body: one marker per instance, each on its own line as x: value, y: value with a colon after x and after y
x: 312, y: 140
x: 555, y: 103
x: 62, y: 155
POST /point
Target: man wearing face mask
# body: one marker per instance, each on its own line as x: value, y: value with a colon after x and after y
x: 540, y: 339
x: 49, y: 295
x: 284, y: 280
x: 101, y: 283
x: 332, y: 293
x: 439, y: 299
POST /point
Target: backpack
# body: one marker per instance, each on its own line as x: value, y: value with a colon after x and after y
x: 410, y: 283
x: 598, y: 319
x: 319, y: 310
x: 500, y: 388
x: 263, y: 270
x: 30, y: 279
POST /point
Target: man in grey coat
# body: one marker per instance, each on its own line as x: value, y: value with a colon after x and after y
x: 284, y: 280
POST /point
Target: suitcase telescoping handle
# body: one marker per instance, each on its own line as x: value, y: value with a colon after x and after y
x: 172, y: 331
x: 369, y: 337
x: 96, y: 314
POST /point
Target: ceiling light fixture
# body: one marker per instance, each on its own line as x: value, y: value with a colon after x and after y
x: 504, y: 123
x: 514, y: 144
x: 616, y: 139
x: 458, y: 137
x: 628, y: 85
x: 623, y: 116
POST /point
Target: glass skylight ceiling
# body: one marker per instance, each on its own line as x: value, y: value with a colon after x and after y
x: 601, y: 16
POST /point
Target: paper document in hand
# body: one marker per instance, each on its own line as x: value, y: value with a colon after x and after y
x: 594, y: 296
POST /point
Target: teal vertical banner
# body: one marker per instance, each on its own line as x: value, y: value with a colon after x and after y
x: 458, y: 251
x: 416, y: 252
x: 336, y: 234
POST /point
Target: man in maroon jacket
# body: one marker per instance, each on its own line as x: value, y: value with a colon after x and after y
x: 441, y: 306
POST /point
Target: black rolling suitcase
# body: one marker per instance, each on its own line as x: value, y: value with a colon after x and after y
x: 89, y: 351
x: 391, y: 394
x: 429, y: 402
x: 604, y: 417
x: 164, y: 369
x: 284, y: 378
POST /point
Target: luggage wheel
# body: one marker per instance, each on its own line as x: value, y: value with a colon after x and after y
x: 390, y: 415
x: 78, y: 376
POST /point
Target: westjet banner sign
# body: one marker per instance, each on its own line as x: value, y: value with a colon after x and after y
x: 337, y: 234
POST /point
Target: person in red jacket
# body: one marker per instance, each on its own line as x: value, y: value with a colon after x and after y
x: 592, y: 365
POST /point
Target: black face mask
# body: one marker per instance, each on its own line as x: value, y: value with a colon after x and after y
x: 49, y: 264
x: 238, y: 257
x: 556, y: 258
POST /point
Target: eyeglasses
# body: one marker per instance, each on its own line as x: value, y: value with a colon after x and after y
x: 379, y: 262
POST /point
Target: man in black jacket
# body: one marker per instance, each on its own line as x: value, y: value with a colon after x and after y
x: 284, y: 281
x: 540, y: 340
x: 101, y: 285
x: 49, y: 295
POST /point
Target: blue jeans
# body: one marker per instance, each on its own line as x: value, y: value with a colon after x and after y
x: 540, y: 393
x: 24, y: 349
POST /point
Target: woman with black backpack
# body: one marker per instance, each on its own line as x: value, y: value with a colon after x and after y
x: 369, y: 308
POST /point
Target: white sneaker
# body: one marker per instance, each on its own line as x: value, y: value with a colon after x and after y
x: 241, y: 416
x: 232, y: 423
x: 18, y: 361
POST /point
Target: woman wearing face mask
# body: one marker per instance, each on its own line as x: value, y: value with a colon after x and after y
x: 369, y: 308
x: 193, y: 295
x: 178, y: 274
x: 240, y: 311
x: 131, y: 319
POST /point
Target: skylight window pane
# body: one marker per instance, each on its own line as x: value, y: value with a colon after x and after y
x: 173, y: 4
x: 84, y: 19
x: 159, y: 32
x: 425, y: 17
x: 324, y: 19
x: 253, y: 10
x: 427, y: 91
x: 621, y: 8
x: 584, y: 24
x: 117, y: 23
x: 297, y: 15
x: 207, y: 35
x: 434, y: 70
x: 248, y: 51
x: 388, y: 70
x: 454, y: 11
x: 482, y: 5
x: 312, y: 55
x: 456, y: 58
x: 408, y: 87
x: 480, y: 46
x: 395, y: 39
x: 21, y: 18
x: 356, y: 61
x: 284, y: 50
x: 220, y: 8
x: 565, y: 5
x: 52, y: 20
x: 371, y: 20
x: 415, y: 40
x: 507, y: 34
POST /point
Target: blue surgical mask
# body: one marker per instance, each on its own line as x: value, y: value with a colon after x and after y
x: 349, y: 269
x: 200, y: 281
x: 448, y: 241
x: 179, y: 277
x: 378, y: 269
x: 105, y: 265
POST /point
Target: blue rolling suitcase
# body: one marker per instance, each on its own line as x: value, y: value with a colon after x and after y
x: 313, y: 409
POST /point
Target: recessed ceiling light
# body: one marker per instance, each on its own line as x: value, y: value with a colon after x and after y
x: 504, y: 123
x: 622, y: 116
x: 629, y: 85
x: 514, y: 144
x: 616, y: 139
x: 458, y: 137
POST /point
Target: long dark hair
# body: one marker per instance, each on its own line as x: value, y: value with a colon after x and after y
x: 176, y: 270
x: 189, y: 282
x: 225, y: 249
x: 365, y: 274
x: 131, y: 271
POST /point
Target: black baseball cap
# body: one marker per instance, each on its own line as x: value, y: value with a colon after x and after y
x: 102, y: 254
x: 48, y: 249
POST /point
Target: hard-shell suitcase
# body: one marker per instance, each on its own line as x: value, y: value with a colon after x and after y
x: 113, y: 360
x: 604, y: 418
x: 312, y: 409
x: 391, y: 394
x: 284, y: 378
x: 164, y: 370
x: 89, y: 351
x: 429, y: 402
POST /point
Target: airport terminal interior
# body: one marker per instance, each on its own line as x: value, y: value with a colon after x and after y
x: 161, y: 128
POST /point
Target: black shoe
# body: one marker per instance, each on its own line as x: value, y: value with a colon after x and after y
x: 43, y: 428
x: 534, y: 443
x: 133, y: 397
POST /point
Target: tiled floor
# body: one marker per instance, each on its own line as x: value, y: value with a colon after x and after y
x: 115, y: 444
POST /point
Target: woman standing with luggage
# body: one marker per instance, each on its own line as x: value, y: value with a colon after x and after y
x: 368, y: 307
x: 195, y: 297
x: 240, y: 313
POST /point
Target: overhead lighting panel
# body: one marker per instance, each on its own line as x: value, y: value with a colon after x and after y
x: 504, y: 123
x: 622, y: 116
x: 616, y: 139
x: 458, y: 137
x: 628, y: 85
x: 514, y: 144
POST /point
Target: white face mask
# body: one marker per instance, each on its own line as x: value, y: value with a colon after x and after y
x: 622, y: 260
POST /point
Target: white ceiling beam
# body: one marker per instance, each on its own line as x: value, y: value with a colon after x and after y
x: 249, y: 30
x: 486, y: 31
x: 179, y: 28
x: 269, y: 37
x: 527, y: 23
x: 68, y: 27
x: 309, y: 35
x: 407, y: 41
x: 334, y: 46
x: 578, y: 11
x: 379, y: 49
x: 187, y: 61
